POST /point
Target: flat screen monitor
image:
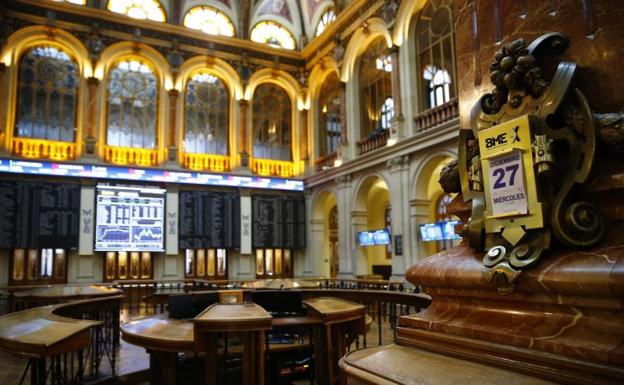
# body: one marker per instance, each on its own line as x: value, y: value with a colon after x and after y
x: 365, y: 238
x: 129, y: 218
x: 439, y: 231
x: 279, y: 302
x: 374, y: 237
x: 381, y: 237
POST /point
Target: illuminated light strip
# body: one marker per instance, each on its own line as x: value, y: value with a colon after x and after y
x: 13, y: 166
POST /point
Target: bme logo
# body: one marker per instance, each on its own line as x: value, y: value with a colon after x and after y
x: 496, y: 140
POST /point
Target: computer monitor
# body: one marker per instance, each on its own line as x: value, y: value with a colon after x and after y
x: 279, y: 302
x: 181, y: 306
x: 202, y: 300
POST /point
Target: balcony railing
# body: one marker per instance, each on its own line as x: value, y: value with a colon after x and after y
x: 437, y: 115
x: 206, y: 162
x: 271, y: 167
x: 128, y: 155
x: 41, y: 148
x: 374, y: 141
x: 326, y: 161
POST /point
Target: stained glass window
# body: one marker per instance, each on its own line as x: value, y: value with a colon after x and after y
x: 327, y: 18
x: 375, y: 87
x: 330, y: 123
x: 132, y: 105
x: 272, y: 116
x: 138, y: 9
x: 47, y: 95
x: 209, y: 20
x: 435, y: 53
x: 273, y: 34
x: 206, y: 115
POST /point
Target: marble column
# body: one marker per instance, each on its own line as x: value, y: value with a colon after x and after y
x: 172, y: 149
x: 2, y: 106
x: 359, y: 222
x: 399, y: 192
x: 397, y: 126
x: 317, y: 256
x: 242, y: 131
x: 345, y: 240
x: 90, y: 139
x: 419, y: 214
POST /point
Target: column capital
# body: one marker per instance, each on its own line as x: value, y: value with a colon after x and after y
x: 343, y: 181
x: 398, y: 163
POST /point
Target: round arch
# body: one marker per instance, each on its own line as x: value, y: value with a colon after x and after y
x: 316, y: 18
x: 280, y: 78
x: 319, y: 74
x: 425, y: 171
x: 363, y: 186
x: 22, y: 40
x: 404, y: 18
x: 289, y: 84
x: 126, y: 49
x: 214, y: 66
x: 317, y: 77
x: 230, y: 78
x: 360, y: 41
x: 231, y: 12
x: 131, y: 50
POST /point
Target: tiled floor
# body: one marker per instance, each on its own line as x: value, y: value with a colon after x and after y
x: 133, y: 359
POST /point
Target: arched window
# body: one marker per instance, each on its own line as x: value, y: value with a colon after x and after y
x: 47, y: 95
x: 387, y: 112
x: 327, y: 18
x: 132, y: 105
x: 330, y: 101
x: 138, y: 9
x: 209, y: 20
x: 272, y: 121
x: 206, y: 115
x: 435, y: 53
x: 273, y: 34
x: 375, y: 86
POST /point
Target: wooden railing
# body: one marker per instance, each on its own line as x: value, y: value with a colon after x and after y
x: 41, y: 148
x: 206, y: 162
x: 271, y: 167
x: 326, y: 161
x: 374, y: 141
x: 129, y: 155
x: 438, y: 115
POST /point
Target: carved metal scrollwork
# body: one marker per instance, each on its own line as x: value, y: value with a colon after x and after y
x: 556, y: 119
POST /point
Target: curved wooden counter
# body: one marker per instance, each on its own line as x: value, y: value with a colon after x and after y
x: 38, y: 332
x: 328, y: 318
x: 160, y: 333
x: 236, y: 317
x: 399, y: 365
x: 66, y: 293
x: 50, y: 334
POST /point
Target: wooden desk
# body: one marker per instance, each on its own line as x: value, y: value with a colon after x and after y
x: 400, y: 365
x: 334, y: 324
x: 41, y: 333
x: 49, y: 295
x: 250, y: 320
x: 342, y: 322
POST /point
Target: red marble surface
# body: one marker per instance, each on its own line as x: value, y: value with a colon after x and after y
x: 598, y: 50
x: 571, y: 303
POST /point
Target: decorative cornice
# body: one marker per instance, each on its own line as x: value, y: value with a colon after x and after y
x: 444, y: 133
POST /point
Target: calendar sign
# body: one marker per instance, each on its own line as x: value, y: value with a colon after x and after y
x: 508, y: 195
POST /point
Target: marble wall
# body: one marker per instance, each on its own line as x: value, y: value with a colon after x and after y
x: 593, y: 26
